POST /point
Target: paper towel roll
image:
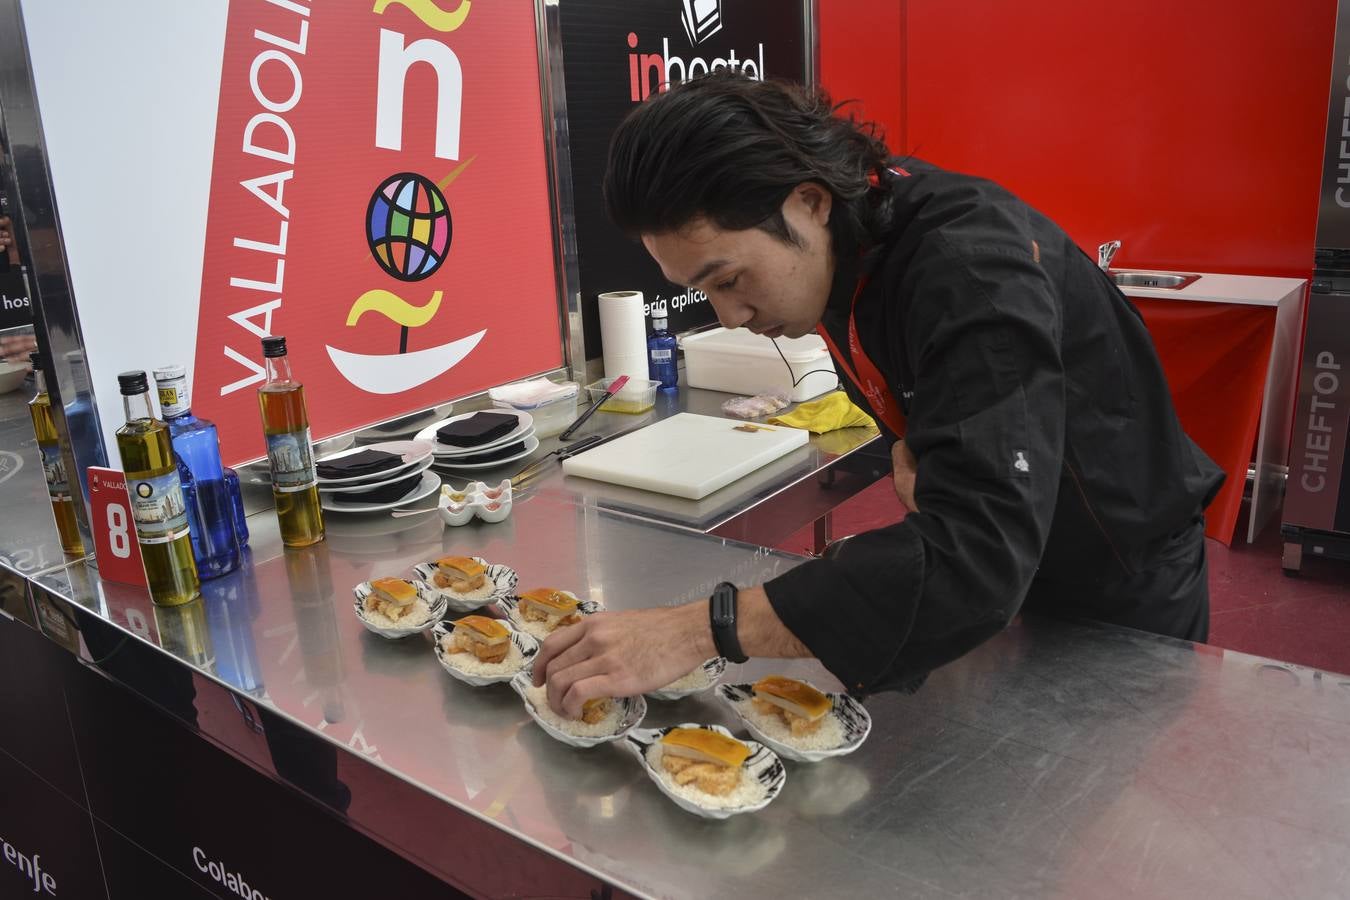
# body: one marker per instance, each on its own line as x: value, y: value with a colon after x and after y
x: 623, y: 334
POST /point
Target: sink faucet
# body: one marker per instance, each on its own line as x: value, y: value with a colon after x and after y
x: 1107, y: 252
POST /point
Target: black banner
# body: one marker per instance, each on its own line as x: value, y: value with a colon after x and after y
x: 615, y: 53
x: 15, y: 308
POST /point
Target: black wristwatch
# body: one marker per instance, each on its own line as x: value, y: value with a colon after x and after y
x: 722, y: 615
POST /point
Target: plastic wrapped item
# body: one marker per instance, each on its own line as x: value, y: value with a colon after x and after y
x: 552, y: 406
x: 756, y: 406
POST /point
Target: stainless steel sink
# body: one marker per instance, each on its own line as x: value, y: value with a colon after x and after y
x: 1155, y: 280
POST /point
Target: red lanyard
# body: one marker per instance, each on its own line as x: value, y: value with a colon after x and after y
x: 867, y: 378
x: 871, y: 384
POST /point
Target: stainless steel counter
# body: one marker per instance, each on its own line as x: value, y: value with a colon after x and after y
x: 765, y: 507
x: 1055, y: 760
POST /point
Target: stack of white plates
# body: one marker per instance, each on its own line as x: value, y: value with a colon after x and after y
x: 452, y: 457
x: 417, y: 459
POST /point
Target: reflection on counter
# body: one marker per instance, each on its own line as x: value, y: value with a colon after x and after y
x: 308, y: 572
x: 231, y: 607
x: 183, y: 632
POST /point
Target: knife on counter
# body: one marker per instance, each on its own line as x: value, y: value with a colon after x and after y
x: 610, y: 391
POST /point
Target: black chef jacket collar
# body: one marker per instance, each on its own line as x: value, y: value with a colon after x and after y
x: 851, y: 263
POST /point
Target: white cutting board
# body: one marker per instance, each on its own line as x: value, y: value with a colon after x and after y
x: 686, y: 455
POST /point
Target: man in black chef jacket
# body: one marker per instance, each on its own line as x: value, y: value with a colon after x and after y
x: 1041, y: 459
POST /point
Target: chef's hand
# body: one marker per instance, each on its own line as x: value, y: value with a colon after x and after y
x: 622, y: 654
x: 906, y: 470
x: 14, y: 348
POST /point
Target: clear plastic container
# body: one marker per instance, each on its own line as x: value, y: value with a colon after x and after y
x: 637, y: 396
x: 741, y: 362
x: 552, y: 406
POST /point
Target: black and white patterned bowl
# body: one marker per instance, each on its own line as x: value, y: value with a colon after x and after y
x: 853, y: 719
x: 763, y: 765
x: 425, y: 592
x: 504, y: 580
x: 632, y: 712
x: 714, y: 668
x: 509, y: 607
x: 527, y: 646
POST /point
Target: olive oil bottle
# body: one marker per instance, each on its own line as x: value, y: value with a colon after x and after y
x: 53, y: 466
x: 157, y: 504
x: 295, y: 484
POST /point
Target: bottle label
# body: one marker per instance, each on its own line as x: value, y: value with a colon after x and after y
x: 173, y: 398
x: 660, y: 355
x: 292, y: 461
x: 158, y: 508
x: 54, y: 468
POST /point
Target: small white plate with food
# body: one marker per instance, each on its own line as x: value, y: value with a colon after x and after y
x: 696, y: 682
x: 797, y: 720
x: 468, y: 582
x: 481, y: 651
x: 542, y: 611
x: 603, y: 719
x: 396, y: 608
x: 706, y: 770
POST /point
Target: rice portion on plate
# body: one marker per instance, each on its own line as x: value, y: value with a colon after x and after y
x: 537, y: 697
x: 828, y: 736
x: 482, y: 592
x: 695, y: 680
x: 749, y: 792
x: 468, y: 663
x: 417, y: 616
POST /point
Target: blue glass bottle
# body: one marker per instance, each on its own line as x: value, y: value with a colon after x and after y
x: 661, y: 351
x: 237, y: 507
x: 197, y: 448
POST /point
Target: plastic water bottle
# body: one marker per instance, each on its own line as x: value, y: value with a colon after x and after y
x: 661, y: 351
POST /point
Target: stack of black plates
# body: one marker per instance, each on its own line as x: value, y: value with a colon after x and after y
x: 481, y: 440
x: 377, y: 477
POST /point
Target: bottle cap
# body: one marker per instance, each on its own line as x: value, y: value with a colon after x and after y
x: 169, y: 373
x: 132, y: 383
x: 36, y: 359
x: 273, y: 347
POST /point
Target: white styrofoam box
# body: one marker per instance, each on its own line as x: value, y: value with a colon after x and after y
x: 742, y: 362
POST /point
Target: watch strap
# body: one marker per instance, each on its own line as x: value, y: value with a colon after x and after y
x: 723, y: 619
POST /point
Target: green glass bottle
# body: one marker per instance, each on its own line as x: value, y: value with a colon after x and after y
x: 156, y: 495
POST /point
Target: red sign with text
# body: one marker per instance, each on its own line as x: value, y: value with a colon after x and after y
x: 380, y: 196
x: 115, y: 545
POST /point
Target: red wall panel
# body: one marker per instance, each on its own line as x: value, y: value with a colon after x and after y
x: 862, y: 59
x: 1191, y: 131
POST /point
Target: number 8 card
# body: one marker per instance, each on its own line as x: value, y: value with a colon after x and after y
x: 115, y: 546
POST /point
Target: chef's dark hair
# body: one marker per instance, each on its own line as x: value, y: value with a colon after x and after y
x: 732, y: 149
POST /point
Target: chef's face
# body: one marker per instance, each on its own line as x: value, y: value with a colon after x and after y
x: 752, y: 278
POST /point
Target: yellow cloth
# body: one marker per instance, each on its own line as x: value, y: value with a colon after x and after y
x: 829, y: 413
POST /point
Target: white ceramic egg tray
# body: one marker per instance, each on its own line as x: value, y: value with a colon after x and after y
x: 490, y: 503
